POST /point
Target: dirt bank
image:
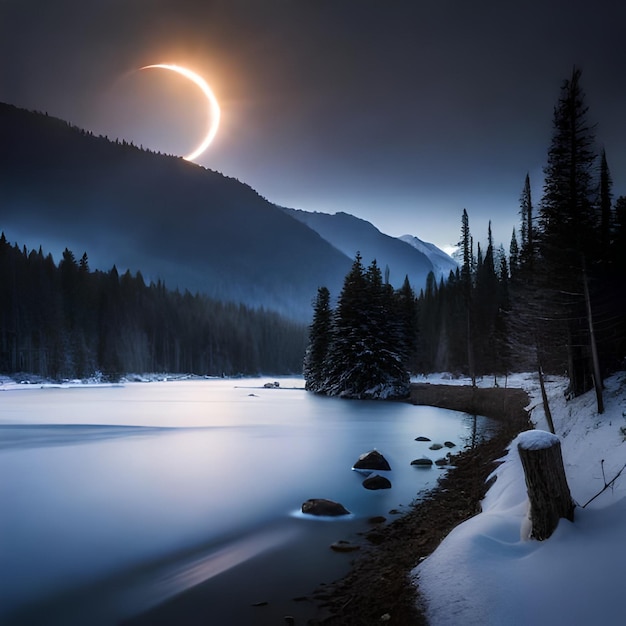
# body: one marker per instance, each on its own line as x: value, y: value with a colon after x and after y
x: 378, y: 589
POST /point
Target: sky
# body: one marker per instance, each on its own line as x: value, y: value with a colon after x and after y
x: 489, y: 572
x: 402, y: 113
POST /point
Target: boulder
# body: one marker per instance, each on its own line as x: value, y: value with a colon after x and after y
x: 422, y: 462
x: 422, y: 439
x: 321, y: 506
x: 436, y: 446
x: 377, y: 482
x: 372, y: 460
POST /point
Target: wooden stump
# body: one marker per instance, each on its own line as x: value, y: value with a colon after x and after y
x: 548, y: 491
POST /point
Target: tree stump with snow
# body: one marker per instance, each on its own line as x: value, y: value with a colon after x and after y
x: 548, y: 491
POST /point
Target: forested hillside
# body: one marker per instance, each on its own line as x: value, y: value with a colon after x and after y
x: 65, y: 321
x: 190, y: 227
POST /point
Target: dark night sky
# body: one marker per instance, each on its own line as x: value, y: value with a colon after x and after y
x: 400, y: 112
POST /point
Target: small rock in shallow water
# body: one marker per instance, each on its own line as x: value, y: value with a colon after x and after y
x: 323, y: 507
x: 423, y: 462
x: 344, y: 546
x: 372, y: 460
x: 436, y: 446
x: 377, y: 482
x: 449, y: 444
x: 422, y: 439
x: 377, y: 519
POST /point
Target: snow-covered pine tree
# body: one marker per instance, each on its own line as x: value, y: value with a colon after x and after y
x: 320, y: 334
x: 350, y: 323
x: 366, y: 355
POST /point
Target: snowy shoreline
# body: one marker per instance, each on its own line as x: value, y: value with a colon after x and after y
x: 487, y: 572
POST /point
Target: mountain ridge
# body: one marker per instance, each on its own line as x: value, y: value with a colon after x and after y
x: 193, y: 228
x: 411, y: 258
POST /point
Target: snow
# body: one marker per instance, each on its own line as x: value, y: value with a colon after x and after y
x: 536, y: 440
x: 488, y: 572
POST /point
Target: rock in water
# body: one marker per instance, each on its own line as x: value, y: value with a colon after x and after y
x: 423, y: 462
x: 372, y: 460
x: 377, y: 482
x: 321, y: 506
x: 344, y: 546
x: 422, y: 439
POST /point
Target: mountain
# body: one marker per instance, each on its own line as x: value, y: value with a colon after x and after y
x: 404, y: 257
x: 172, y: 220
x: 443, y: 263
x: 192, y: 228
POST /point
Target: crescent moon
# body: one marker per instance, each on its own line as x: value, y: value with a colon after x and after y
x: 214, y: 107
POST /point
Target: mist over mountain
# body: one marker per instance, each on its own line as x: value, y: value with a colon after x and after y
x: 192, y: 228
x: 405, y: 256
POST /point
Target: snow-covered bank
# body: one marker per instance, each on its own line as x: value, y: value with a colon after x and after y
x: 487, y: 572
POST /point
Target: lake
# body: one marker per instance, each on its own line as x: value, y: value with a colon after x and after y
x: 114, y: 499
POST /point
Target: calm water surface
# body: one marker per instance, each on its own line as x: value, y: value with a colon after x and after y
x: 115, y: 499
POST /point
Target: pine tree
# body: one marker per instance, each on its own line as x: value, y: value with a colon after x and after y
x: 350, y: 323
x: 527, y: 228
x: 605, y: 201
x: 514, y: 254
x: 485, y: 307
x: 568, y: 231
x: 407, y: 312
x: 367, y: 351
x: 566, y: 217
x: 320, y: 334
x: 466, y: 246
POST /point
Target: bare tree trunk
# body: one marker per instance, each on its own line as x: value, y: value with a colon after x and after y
x: 544, y: 395
x: 548, y: 491
x: 597, y: 375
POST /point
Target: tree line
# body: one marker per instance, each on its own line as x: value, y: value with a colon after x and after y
x: 362, y: 348
x: 65, y: 321
x: 557, y: 302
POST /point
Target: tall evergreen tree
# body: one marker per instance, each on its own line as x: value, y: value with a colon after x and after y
x: 605, y: 201
x: 320, y: 335
x: 568, y: 230
x: 527, y: 228
x: 466, y: 246
x: 366, y: 355
x: 514, y: 254
x: 350, y: 321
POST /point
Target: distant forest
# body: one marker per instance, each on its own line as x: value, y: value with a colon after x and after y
x: 65, y: 321
x: 556, y: 303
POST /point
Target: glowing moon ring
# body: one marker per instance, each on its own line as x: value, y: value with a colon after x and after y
x: 214, y: 107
